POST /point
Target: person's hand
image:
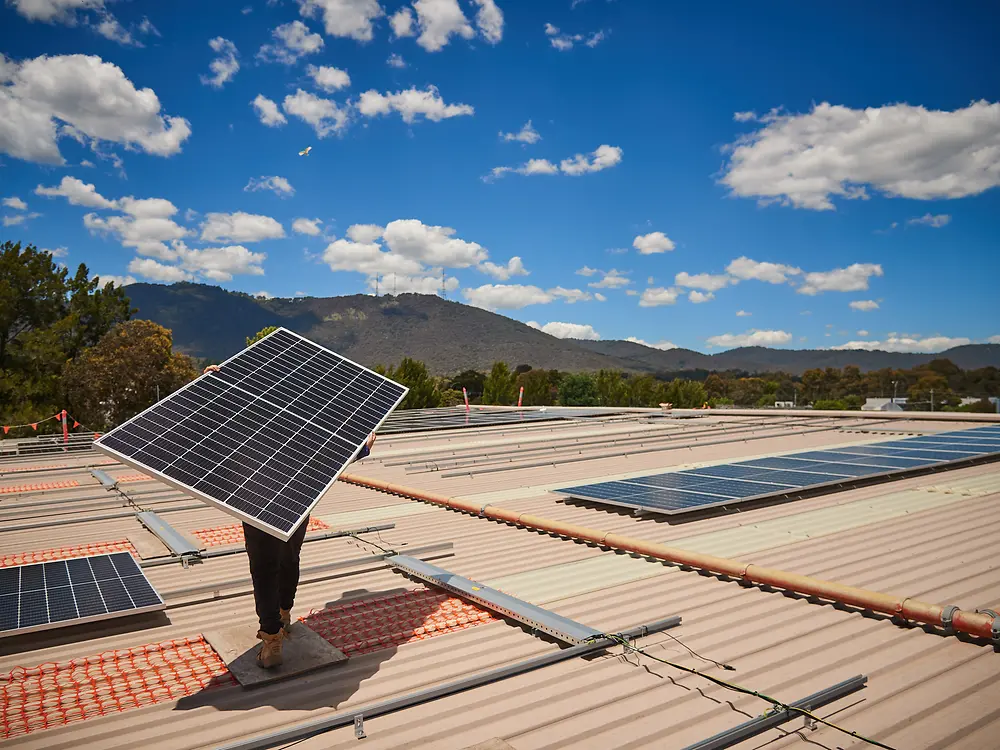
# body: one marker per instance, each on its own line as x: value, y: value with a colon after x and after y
x: 370, y: 442
x: 210, y: 368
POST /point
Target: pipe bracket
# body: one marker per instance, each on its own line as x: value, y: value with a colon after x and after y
x: 994, y: 626
x: 948, y: 615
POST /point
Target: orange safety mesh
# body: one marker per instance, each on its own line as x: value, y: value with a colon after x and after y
x: 57, y: 485
x: 15, y: 469
x: 64, y: 553
x: 54, y: 694
x: 125, y: 478
x: 217, y: 536
x: 368, y: 625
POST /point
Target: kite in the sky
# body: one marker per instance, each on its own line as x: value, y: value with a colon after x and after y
x: 305, y: 151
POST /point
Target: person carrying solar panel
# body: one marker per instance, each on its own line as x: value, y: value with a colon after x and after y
x: 274, y: 570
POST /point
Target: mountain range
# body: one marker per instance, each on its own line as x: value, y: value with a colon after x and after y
x: 212, y: 323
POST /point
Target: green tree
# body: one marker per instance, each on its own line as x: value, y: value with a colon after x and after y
x: 829, y: 404
x: 122, y: 374
x: 471, y: 380
x: 413, y: 374
x: 715, y: 386
x: 685, y: 394
x: 578, y: 389
x: 261, y: 334
x: 611, y: 388
x: 499, y: 386
x: 537, y: 388
x: 643, y: 391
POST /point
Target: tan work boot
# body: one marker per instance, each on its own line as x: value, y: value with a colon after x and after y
x: 269, y: 655
x: 286, y: 621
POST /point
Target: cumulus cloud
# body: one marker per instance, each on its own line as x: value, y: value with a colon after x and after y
x: 990, y: 340
x: 603, y: 157
x: 411, y: 104
x: 600, y: 297
x: 240, y: 227
x: 586, y: 271
x: 744, y: 116
x: 291, y: 42
x: 369, y: 259
x: 328, y: 77
x: 77, y: 192
x: 743, y: 314
x: 58, y: 252
x: 864, y: 305
x: 743, y: 268
x: 310, y: 227
x: 564, y: 42
x: 278, y: 185
x: 904, y: 343
x: 899, y: 150
x: 16, y: 219
x: 395, y: 61
x: 570, y: 296
x: 147, y: 234
x: 931, y: 220
x: 49, y: 97
x: 662, y: 345
x: 344, y: 18
x: 697, y: 297
x: 91, y: 13
x: 489, y: 21
x: 403, y: 284
x: 108, y: 278
x: 854, y: 278
x: 365, y: 233
x: 401, y: 23
x: 527, y: 134
x: 433, y: 245
x: 506, y: 296
x: 221, y: 263
x: 708, y: 282
x: 613, y: 279
x: 225, y: 65
x: 16, y: 203
x: 268, y: 111
x: 152, y: 269
x: 439, y: 20
x: 654, y: 242
x: 514, y: 267
x: 325, y: 116
x: 750, y: 338
x: 263, y: 294
x: 567, y: 330
x: 657, y: 296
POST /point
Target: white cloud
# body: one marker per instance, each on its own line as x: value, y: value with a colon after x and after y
x: 613, y: 279
x: 744, y: 268
x: 279, y: 185
x: 586, y: 271
x: 325, y: 116
x: 307, y: 226
x: 854, y: 278
x: 240, y: 227
x: 344, y: 18
x: 83, y: 97
x: 600, y: 297
x: 900, y: 150
x: 16, y: 219
x: 411, y: 104
x: 268, y: 111
x: 106, y: 278
x: 395, y: 61
x: 54, y: 11
x: 697, y: 297
x: 489, y: 21
x: 433, y: 245
x: 654, y: 242
x: 990, y: 340
x: 617, y: 250
x: 904, y: 343
x: 220, y: 263
x: 750, y: 338
x: 937, y: 221
x: 223, y: 67
x: 365, y: 233
x: 110, y: 28
x: 77, y: 192
x: 602, y: 157
x: 570, y: 296
x: 863, y: 333
x: 16, y: 203
x: 401, y: 23
x: 514, y: 267
x: 403, y: 284
x: 564, y: 42
x: 567, y: 330
x: 864, y: 305
x: 439, y: 20
x: 706, y: 281
x: 744, y: 116
x: 662, y: 345
x: 291, y: 41
x: 263, y: 294
x: 743, y: 314
x: 329, y: 78
x: 151, y: 269
x: 632, y: 292
x: 148, y: 235
x: 527, y: 134
x: 368, y: 259
x: 657, y: 296
x: 59, y: 252
x: 506, y: 296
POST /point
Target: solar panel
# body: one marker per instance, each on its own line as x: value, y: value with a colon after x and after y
x: 266, y: 436
x: 40, y: 596
x: 771, y: 476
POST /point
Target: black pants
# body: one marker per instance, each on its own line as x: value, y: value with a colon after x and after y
x: 274, y: 568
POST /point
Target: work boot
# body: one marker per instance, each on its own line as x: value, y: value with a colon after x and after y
x: 269, y: 655
x: 286, y: 621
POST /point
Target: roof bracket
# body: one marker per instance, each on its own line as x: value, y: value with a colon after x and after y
x: 359, y: 727
x: 178, y: 543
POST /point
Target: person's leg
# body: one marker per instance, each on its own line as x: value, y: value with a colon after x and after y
x: 288, y: 575
x: 264, y: 552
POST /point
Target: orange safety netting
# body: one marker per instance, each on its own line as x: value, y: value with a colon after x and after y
x: 54, y: 694
x: 387, y: 621
x: 217, y: 536
x: 64, y: 553
x: 15, y: 469
x: 125, y: 478
x: 57, y: 485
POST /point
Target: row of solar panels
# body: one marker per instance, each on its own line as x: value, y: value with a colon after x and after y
x: 694, y: 489
x: 458, y: 418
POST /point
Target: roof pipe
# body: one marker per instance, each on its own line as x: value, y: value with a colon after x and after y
x: 982, y: 624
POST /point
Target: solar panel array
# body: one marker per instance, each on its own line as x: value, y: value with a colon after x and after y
x: 424, y: 420
x: 695, y: 489
x: 266, y: 436
x: 39, y: 596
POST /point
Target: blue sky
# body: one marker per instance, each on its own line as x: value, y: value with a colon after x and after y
x: 701, y: 175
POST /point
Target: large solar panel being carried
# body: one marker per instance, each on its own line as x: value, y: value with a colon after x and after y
x: 266, y: 436
x: 39, y: 596
x: 759, y: 478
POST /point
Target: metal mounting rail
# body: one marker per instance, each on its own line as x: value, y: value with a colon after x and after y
x: 540, y: 619
x: 107, y: 481
x: 178, y: 543
x: 774, y: 718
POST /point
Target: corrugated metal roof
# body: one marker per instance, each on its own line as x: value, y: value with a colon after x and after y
x: 935, y: 537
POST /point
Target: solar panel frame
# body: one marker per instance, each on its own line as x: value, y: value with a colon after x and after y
x: 113, y: 576
x: 223, y: 379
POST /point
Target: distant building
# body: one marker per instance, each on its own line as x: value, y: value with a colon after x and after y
x: 784, y: 404
x: 883, y: 404
x: 966, y: 400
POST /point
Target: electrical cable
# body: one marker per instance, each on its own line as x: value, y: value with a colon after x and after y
x: 625, y: 643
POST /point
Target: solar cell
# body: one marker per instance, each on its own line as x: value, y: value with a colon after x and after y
x: 962, y: 445
x: 266, y: 436
x: 40, y: 596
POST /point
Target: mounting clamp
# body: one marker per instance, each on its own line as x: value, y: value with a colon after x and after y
x: 359, y: 727
x: 947, y: 615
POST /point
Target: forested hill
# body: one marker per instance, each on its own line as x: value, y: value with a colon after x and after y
x: 210, y: 322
